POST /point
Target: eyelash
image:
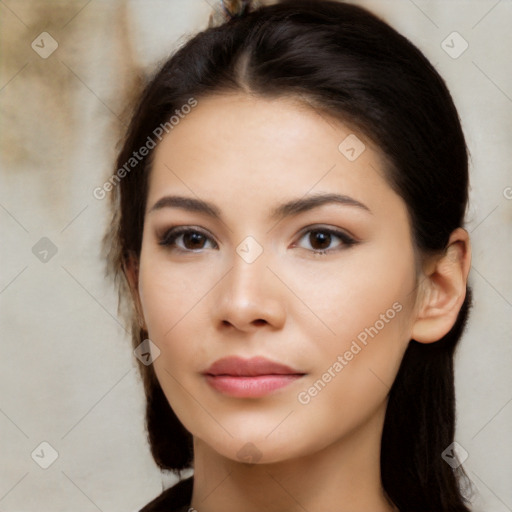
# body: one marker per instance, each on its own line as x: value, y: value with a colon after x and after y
x: 169, y: 239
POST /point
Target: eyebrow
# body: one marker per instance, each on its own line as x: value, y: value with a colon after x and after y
x: 288, y: 209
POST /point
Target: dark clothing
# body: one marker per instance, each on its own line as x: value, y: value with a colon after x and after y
x: 175, y: 499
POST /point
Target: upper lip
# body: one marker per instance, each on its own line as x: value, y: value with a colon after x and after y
x: 254, y: 366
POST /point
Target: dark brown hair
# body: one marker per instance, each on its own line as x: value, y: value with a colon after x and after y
x: 343, y: 60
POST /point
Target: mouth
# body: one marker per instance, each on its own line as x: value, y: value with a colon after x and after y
x: 249, y: 378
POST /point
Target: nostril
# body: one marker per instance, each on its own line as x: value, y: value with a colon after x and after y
x: 259, y: 321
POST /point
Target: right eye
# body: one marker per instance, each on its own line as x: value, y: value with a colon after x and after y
x: 186, y: 240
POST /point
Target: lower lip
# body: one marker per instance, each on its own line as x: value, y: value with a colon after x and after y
x: 249, y: 387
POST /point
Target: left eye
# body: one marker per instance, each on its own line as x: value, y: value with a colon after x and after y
x: 320, y: 240
x: 191, y: 240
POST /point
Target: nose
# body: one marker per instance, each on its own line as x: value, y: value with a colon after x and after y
x: 249, y: 297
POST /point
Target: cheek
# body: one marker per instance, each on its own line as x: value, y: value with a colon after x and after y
x: 346, y: 295
x: 168, y: 291
x: 365, y: 303
x: 353, y: 370
x: 172, y: 298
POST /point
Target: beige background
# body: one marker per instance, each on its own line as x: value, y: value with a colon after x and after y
x: 67, y: 374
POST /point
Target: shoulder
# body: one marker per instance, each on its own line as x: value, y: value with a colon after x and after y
x: 175, y: 499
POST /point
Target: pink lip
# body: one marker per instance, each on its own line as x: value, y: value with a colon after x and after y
x: 249, y: 378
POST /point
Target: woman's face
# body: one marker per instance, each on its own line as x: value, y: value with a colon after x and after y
x: 325, y: 287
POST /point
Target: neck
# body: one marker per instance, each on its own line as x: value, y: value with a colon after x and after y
x: 343, y: 476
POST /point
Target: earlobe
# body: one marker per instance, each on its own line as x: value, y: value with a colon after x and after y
x: 131, y: 271
x: 443, y: 290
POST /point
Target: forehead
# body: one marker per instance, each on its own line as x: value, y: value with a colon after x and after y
x: 250, y: 150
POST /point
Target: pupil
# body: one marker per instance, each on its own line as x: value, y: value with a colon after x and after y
x: 320, y: 238
x: 193, y: 240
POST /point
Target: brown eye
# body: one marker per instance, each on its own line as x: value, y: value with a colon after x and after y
x: 186, y: 240
x: 323, y: 240
x: 319, y: 240
x: 193, y: 240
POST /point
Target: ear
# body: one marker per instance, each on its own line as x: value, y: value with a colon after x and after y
x: 443, y: 290
x: 131, y: 271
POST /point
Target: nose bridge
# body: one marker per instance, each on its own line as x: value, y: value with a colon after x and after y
x: 249, y: 274
x: 250, y: 250
x: 249, y: 292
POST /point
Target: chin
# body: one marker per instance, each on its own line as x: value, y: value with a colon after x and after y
x: 265, y: 449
